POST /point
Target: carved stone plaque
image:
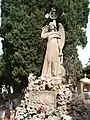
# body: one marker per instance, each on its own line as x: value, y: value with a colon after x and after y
x: 47, y: 98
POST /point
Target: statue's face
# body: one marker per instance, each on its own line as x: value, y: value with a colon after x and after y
x: 51, y: 27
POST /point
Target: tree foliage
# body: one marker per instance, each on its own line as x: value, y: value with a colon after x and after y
x: 1, y: 66
x: 2, y: 70
x: 23, y: 47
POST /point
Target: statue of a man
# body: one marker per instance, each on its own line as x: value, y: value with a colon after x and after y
x: 54, y: 56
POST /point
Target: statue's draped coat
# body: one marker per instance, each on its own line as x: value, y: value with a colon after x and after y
x: 53, y: 57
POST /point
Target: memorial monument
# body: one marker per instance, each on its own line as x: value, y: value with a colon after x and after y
x: 47, y: 98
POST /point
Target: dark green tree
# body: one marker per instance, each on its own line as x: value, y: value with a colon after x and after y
x: 2, y: 70
x: 23, y: 47
x: 1, y: 66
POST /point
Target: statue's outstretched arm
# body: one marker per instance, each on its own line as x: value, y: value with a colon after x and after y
x: 44, y: 33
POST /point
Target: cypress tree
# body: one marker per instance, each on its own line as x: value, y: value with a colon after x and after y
x: 23, y: 47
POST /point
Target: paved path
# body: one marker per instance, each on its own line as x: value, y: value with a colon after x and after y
x: 1, y: 112
x: 89, y: 114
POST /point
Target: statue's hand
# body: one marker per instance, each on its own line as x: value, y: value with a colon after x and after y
x: 45, y: 28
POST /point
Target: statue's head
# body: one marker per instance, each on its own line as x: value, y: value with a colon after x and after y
x: 52, y: 26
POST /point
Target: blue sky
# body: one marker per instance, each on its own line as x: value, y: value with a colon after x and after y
x: 84, y: 54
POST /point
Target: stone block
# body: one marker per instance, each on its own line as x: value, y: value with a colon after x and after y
x: 45, y: 98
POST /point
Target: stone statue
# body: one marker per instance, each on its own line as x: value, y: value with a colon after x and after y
x: 54, y: 57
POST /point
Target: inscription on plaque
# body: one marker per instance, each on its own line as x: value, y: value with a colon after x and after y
x: 47, y: 98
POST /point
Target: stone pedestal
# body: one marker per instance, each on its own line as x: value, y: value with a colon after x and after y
x: 49, y: 101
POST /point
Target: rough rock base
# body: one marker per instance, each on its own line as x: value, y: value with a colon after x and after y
x: 49, y: 101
